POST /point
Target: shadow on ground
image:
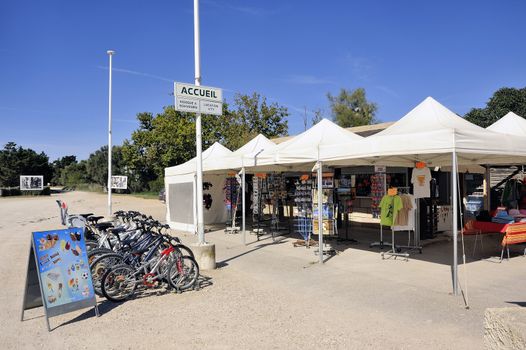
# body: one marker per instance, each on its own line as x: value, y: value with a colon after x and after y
x: 106, y: 306
x: 438, y: 250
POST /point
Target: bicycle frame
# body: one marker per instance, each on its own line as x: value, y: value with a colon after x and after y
x: 149, y: 278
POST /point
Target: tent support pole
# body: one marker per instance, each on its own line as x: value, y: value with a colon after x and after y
x: 454, y: 173
x: 243, y: 208
x: 487, y: 183
x: 320, y: 211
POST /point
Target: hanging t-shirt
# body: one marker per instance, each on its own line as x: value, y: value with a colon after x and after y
x: 389, y: 208
x: 405, y: 220
x: 420, y: 180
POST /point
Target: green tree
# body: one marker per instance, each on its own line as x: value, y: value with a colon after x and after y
x: 16, y: 161
x: 59, y: 166
x: 503, y: 101
x: 97, y: 165
x: 75, y: 174
x: 168, y: 138
x: 253, y: 116
x: 351, y: 108
x: 317, y: 117
x: 160, y: 141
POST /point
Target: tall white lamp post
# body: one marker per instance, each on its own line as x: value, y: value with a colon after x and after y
x: 204, y: 252
x: 198, y: 137
x: 110, y: 54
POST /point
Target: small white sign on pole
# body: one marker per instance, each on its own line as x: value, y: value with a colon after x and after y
x: 119, y: 182
x: 198, y: 99
x: 187, y: 105
x: 209, y: 107
x: 379, y: 169
x: 31, y: 182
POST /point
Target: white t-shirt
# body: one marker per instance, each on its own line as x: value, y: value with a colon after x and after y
x: 420, y: 180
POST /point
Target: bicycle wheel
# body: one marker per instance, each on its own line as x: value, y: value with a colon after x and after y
x: 183, y: 272
x: 119, y: 283
x: 91, y: 245
x: 94, y: 253
x: 100, y: 265
x: 184, y: 250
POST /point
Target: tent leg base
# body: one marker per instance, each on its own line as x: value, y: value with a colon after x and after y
x: 393, y: 253
x: 380, y: 244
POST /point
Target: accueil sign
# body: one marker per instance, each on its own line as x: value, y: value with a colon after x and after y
x: 198, y: 99
x: 194, y: 91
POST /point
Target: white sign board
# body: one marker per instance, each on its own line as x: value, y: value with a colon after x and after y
x: 198, y: 99
x: 119, y: 182
x: 210, y: 107
x: 379, y: 169
x: 31, y: 182
x: 198, y: 92
x: 187, y: 105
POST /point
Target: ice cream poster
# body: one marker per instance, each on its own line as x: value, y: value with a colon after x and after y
x: 63, y: 266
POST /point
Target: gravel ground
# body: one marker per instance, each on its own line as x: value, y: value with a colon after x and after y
x: 266, y: 295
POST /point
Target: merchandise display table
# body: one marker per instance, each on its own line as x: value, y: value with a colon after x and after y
x: 490, y: 227
x: 513, y: 233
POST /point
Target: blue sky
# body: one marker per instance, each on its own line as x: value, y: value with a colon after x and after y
x: 54, y: 77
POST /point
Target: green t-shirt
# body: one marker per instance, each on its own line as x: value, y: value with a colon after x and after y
x: 389, y: 208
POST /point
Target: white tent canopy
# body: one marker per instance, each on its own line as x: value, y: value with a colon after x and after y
x: 211, y: 160
x: 247, y: 152
x: 431, y: 133
x: 257, y: 144
x: 303, y: 148
x: 180, y: 186
x: 300, y: 152
x: 510, y: 124
x: 250, y: 150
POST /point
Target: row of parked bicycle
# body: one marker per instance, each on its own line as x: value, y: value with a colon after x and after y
x: 133, y: 252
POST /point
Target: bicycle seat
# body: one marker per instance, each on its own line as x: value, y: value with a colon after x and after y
x: 117, y: 230
x: 94, y: 219
x: 103, y: 225
x: 85, y: 216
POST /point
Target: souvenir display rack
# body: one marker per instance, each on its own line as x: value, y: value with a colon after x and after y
x: 268, y: 190
x: 328, y: 209
x: 232, y: 190
x: 303, y: 202
x: 259, y: 198
x: 345, y: 198
x: 277, y: 196
x: 378, y: 190
x: 378, y: 184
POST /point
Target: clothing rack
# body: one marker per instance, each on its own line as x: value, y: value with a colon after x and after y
x: 396, y: 249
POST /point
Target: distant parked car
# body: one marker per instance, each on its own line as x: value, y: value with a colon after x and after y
x: 162, y: 195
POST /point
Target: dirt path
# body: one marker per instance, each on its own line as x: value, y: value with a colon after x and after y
x: 264, y: 296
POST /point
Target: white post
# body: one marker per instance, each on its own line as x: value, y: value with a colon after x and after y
x: 198, y: 137
x: 455, y: 222
x: 487, y: 188
x: 320, y: 212
x: 243, y: 208
x: 110, y: 54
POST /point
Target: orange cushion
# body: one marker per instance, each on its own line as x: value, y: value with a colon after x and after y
x: 515, y: 233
